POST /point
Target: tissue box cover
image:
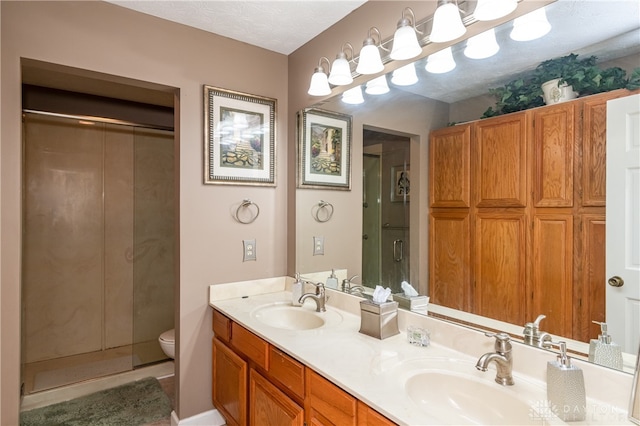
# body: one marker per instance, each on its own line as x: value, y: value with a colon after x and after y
x: 411, y: 303
x: 379, y: 320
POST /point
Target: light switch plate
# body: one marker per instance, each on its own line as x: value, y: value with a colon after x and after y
x: 249, y: 252
x: 318, y: 246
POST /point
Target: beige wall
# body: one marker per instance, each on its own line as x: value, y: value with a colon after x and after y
x: 105, y: 38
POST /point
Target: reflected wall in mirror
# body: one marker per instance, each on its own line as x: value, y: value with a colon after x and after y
x: 462, y: 95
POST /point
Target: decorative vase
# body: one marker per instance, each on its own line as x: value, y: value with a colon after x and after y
x: 554, y: 93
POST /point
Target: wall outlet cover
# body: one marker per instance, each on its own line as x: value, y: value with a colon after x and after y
x: 318, y: 246
x: 249, y: 252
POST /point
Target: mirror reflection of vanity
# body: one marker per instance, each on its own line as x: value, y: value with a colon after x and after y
x: 412, y: 113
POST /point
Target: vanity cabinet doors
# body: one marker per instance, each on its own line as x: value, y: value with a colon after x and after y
x: 268, y: 405
x: 369, y: 417
x: 326, y: 404
x: 229, y: 384
x: 450, y: 149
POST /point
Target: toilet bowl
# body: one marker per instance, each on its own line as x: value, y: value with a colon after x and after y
x: 168, y: 342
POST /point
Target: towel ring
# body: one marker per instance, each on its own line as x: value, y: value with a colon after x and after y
x: 323, y: 206
x: 246, y: 204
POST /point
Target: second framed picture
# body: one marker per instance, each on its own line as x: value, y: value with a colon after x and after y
x: 324, y: 150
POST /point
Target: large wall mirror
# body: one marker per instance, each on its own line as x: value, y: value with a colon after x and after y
x: 391, y: 138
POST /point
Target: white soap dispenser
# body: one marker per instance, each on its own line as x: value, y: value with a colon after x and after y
x: 296, y: 291
x: 565, y: 387
x: 332, y: 281
x: 603, y: 351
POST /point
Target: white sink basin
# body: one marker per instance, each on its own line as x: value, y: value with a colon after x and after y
x: 288, y: 317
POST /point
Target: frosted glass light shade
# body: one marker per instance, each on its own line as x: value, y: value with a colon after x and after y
x: 488, y: 10
x: 370, y: 61
x: 405, y: 44
x: 377, y: 86
x: 340, y: 74
x: 447, y: 24
x: 482, y: 46
x: 319, y: 84
x: 531, y: 26
x: 353, y: 96
x: 405, y: 76
x: 440, y: 62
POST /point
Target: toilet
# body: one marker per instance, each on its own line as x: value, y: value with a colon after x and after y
x: 168, y: 343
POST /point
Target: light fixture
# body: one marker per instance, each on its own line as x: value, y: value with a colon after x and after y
x: 488, y: 10
x: 340, y: 74
x: 482, y: 46
x: 377, y: 86
x: 531, y: 26
x: 447, y: 23
x: 353, y: 96
x: 405, y: 76
x: 440, y: 62
x: 370, y: 61
x: 319, y: 83
x: 405, y: 39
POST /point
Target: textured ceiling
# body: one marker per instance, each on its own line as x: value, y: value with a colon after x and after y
x: 281, y: 26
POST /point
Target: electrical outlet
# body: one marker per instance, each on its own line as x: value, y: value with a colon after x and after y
x: 249, y: 250
x: 318, y: 246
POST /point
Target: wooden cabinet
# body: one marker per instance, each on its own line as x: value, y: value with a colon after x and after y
x: 326, y: 404
x: 527, y: 238
x: 229, y: 384
x: 268, y: 405
x: 369, y: 417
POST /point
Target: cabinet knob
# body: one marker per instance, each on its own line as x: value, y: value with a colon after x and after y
x: 616, y: 281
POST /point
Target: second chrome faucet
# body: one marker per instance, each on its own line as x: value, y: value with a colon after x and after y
x: 502, y: 357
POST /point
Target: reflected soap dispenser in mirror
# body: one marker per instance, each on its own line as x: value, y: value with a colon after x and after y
x: 332, y: 281
x: 603, y: 351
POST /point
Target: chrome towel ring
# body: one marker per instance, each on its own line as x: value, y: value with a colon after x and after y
x: 246, y: 204
x: 323, y: 211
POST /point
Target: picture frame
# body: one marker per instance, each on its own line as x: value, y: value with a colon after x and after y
x: 240, y: 138
x: 400, y: 183
x: 324, y: 149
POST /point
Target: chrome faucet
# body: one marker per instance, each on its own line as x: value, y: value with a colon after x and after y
x: 533, y: 336
x: 502, y: 357
x: 319, y: 296
x: 347, y: 286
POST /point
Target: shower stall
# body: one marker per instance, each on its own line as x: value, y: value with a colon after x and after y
x: 98, y: 247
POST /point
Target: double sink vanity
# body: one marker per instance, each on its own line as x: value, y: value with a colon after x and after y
x: 275, y: 363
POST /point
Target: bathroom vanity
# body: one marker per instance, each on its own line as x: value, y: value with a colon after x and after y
x: 274, y: 363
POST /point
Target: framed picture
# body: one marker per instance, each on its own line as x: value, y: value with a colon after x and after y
x: 239, y: 138
x: 400, y: 183
x: 324, y: 150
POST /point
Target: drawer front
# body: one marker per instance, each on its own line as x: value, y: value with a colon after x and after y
x: 329, y: 401
x: 287, y: 371
x: 221, y: 326
x: 250, y: 345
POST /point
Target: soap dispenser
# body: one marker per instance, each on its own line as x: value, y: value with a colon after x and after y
x: 296, y: 291
x: 603, y: 351
x: 332, y: 281
x: 565, y: 387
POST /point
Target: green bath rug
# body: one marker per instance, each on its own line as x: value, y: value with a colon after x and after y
x: 135, y: 403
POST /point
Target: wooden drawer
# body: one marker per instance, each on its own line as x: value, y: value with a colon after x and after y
x: 250, y: 345
x: 221, y: 326
x: 328, y: 404
x: 287, y: 371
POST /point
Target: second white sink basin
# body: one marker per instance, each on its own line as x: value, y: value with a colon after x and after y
x: 286, y: 316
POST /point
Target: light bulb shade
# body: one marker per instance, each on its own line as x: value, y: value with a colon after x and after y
x: 405, y: 76
x: 531, y: 26
x: 370, y: 61
x: 405, y: 44
x: 319, y: 84
x: 353, y: 96
x: 340, y: 74
x: 488, y: 10
x: 440, y: 62
x: 482, y: 46
x: 447, y: 24
x: 377, y: 86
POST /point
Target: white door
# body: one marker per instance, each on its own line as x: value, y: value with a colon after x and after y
x: 623, y: 222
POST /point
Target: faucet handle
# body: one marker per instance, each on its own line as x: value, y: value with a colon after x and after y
x: 503, y: 342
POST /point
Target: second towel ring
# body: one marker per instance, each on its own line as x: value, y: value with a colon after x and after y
x: 323, y: 206
x: 246, y: 204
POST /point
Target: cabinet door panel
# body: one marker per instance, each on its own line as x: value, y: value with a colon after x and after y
x: 553, y: 143
x: 449, y: 266
x: 326, y: 403
x: 500, y: 166
x: 449, y: 154
x: 500, y: 253
x: 369, y: 417
x: 229, y: 384
x: 552, y: 271
x: 269, y: 406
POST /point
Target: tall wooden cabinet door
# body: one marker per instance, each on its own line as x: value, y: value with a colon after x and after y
x: 268, y: 405
x: 229, y: 384
x: 552, y: 271
x: 449, y: 162
x: 499, y: 257
x: 449, y: 252
x: 500, y: 161
x: 553, y: 145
